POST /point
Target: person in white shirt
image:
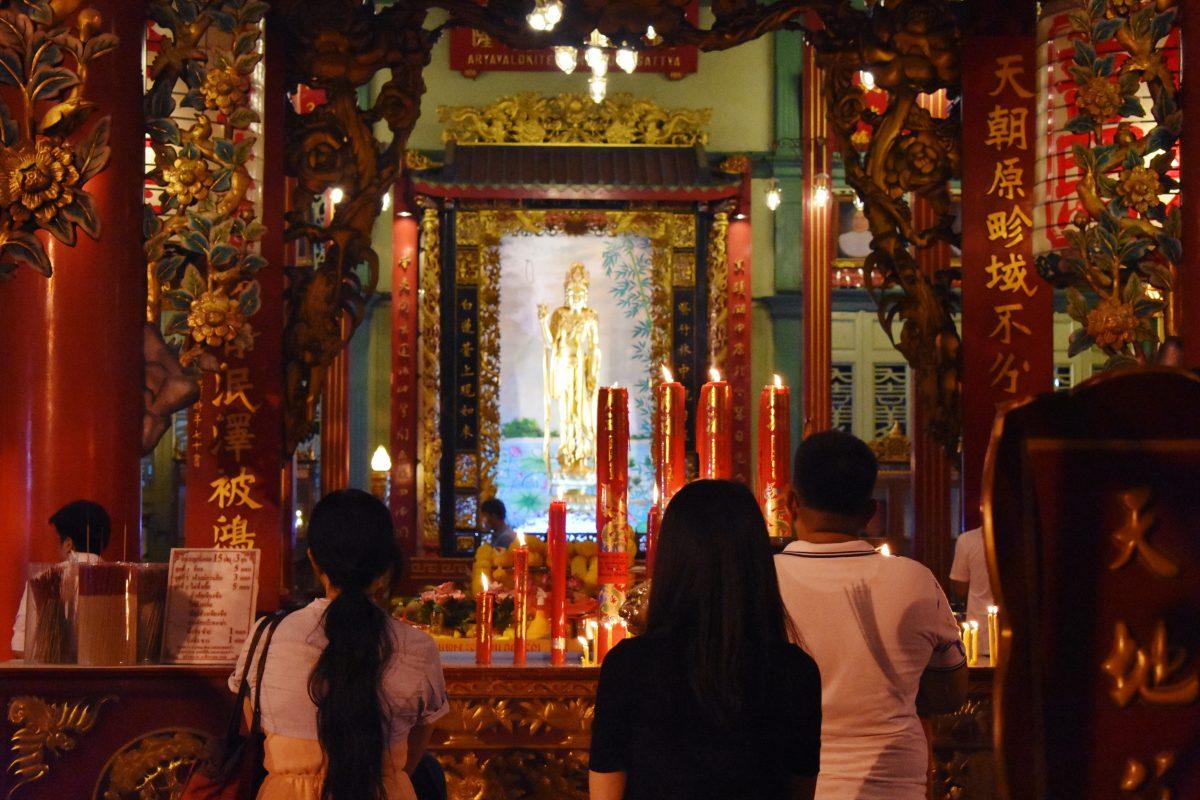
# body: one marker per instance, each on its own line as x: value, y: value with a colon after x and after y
x: 83, y: 529
x: 349, y: 694
x: 879, y: 628
x: 969, y: 578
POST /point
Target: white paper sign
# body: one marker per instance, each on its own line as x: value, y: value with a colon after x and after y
x: 211, y: 597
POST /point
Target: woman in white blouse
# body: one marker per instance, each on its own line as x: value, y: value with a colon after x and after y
x: 349, y: 694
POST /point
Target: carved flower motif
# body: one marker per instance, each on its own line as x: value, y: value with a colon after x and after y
x: 1112, y: 324
x: 38, y: 180
x: 1123, y: 8
x: 1099, y: 97
x: 913, y: 162
x: 1139, y: 188
x: 317, y: 154
x: 215, y: 318
x: 187, y: 180
x: 224, y: 89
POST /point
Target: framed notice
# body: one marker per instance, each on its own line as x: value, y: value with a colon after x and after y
x: 210, y: 604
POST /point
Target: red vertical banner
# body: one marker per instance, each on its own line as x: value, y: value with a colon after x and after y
x: 405, y: 304
x: 737, y: 358
x: 1007, y: 315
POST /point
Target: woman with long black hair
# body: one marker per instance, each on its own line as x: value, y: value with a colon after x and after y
x: 712, y: 701
x: 349, y: 695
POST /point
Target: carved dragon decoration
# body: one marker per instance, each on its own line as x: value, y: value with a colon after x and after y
x: 339, y: 45
x: 46, y: 729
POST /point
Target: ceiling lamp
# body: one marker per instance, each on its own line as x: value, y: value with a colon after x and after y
x: 597, y: 60
x: 545, y: 15
x: 627, y: 60
x: 567, y: 58
x: 597, y: 88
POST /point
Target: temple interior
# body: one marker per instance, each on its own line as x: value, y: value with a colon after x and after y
x: 571, y: 256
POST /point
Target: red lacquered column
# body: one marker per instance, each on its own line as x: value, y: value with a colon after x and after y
x: 1186, y: 296
x: 71, y: 406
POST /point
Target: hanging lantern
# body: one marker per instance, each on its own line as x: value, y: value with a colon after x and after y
x: 1057, y: 175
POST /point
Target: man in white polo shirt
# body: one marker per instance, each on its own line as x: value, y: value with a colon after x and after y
x: 879, y: 628
x: 969, y: 578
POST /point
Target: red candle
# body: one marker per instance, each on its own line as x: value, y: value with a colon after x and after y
x: 485, y: 607
x: 611, y: 631
x: 714, y: 428
x: 612, y: 499
x: 653, y: 520
x: 670, y: 416
x: 774, y: 456
x: 556, y: 541
x: 520, y: 599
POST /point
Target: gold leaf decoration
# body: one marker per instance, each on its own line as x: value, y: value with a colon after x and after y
x: 46, y: 729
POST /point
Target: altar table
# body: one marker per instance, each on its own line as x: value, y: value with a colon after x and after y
x: 109, y: 733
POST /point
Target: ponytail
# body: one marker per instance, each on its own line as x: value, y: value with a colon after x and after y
x: 350, y: 537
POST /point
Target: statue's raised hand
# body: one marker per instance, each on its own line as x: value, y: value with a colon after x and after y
x: 543, y: 311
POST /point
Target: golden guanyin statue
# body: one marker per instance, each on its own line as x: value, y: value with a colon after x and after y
x: 571, y: 368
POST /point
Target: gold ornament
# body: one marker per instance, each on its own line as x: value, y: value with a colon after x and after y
x: 1140, y: 188
x: 1099, y: 97
x: 46, y: 729
x: 215, y: 318
x: 530, y: 118
x: 187, y: 180
x: 224, y: 89
x: 1112, y: 324
x: 39, y: 181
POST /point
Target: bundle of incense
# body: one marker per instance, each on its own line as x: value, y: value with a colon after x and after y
x: 152, y: 599
x: 46, y: 628
x: 107, y: 614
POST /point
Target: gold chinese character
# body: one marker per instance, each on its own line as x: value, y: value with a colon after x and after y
x: 1147, y: 782
x: 1006, y: 128
x: 233, y: 534
x: 480, y: 39
x: 1005, y: 368
x: 238, y: 436
x: 1005, y: 323
x: 1130, y: 538
x: 1010, y: 276
x: 234, y: 491
x: 1008, y: 226
x: 467, y: 349
x: 685, y: 307
x: 1136, y: 671
x: 1007, y: 70
x: 237, y: 384
x: 1009, y: 180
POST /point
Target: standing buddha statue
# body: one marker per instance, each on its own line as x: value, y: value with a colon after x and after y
x: 571, y: 367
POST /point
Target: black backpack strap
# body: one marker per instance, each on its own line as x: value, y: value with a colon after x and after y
x: 256, y: 718
x: 235, y: 719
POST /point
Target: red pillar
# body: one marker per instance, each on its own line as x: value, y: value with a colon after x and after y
x: 1187, y: 283
x: 817, y: 224
x: 405, y: 307
x: 72, y: 369
x: 335, y: 422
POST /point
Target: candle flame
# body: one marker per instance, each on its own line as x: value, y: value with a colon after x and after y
x: 993, y: 610
x: 520, y: 539
x: 483, y: 581
x: 714, y: 374
x: 666, y: 373
x: 615, y: 385
x: 655, y: 494
x: 974, y: 625
x: 884, y: 550
x: 778, y: 381
x: 561, y: 493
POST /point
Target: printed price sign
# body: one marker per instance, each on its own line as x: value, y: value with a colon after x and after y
x: 210, y: 604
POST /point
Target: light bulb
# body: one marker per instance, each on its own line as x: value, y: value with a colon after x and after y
x: 651, y: 34
x: 821, y: 191
x: 380, y: 460
x: 537, y: 19
x: 567, y: 58
x: 387, y: 201
x: 597, y: 88
x: 336, y: 195
x: 627, y: 59
x: 867, y: 79
x: 858, y: 202
x: 774, y: 197
x: 597, y: 60
x: 553, y: 13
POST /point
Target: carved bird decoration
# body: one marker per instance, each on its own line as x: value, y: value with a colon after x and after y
x: 46, y: 728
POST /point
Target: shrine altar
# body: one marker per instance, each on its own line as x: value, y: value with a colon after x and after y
x: 107, y: 733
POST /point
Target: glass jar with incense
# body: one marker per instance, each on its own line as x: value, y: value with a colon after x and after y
x: 107, y: 614
x: 151, y: 601
x: 48, y: 615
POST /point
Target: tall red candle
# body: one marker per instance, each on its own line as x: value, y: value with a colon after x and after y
x: 485, y: 608
x: 714, y: 428
x: 520, y: 599
x: 670, y: 416
x: 653, y: 520
x: 612, y: 499
x: 774, y: 456
x: 556, y: 541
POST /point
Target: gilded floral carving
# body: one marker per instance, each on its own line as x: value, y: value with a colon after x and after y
x: 48, y: 152
x: 202, y: 232
x: 46, y: 729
